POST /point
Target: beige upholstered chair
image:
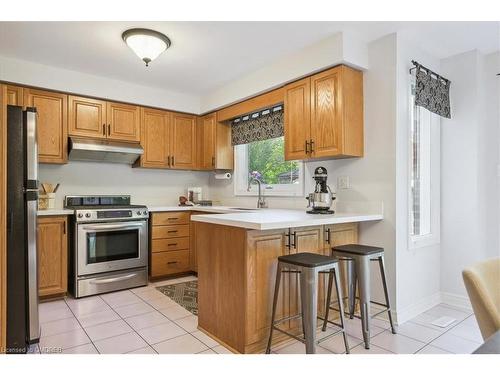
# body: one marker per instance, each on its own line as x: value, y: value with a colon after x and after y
x: 482, y: 282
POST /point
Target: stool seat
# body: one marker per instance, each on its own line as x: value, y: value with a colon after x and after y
x: 359, y: 249
x: 308, y: 260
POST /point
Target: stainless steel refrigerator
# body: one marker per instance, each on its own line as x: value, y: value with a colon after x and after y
x: 22, y: 194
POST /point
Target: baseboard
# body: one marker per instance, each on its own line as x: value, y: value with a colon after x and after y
x: 456, y: 300
x: 407, y: 313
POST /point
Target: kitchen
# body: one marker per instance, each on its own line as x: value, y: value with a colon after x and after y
x: 172, y: 221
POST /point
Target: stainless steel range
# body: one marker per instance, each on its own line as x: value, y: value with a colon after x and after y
x: 110, y: 244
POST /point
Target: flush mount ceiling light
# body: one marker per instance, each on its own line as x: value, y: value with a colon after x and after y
x: 147, y: 44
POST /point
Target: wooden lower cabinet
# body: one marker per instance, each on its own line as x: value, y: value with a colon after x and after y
x: 236, y: 278
x: 169, y: 262
x: 170, y: 244
x: 52, y: 244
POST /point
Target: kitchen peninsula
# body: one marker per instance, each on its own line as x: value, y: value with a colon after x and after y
x: 237, y: 254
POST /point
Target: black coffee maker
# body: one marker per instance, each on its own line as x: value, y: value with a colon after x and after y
x: 321, y: 200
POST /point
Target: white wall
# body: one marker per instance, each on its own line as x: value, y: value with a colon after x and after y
x: 33, y: 74
x: 337, y: 49
x: 146, y: 186
x: 418, y: 270
x: 469, y: 166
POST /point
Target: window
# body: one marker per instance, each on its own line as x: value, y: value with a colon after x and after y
x: 265, y: 160
x: 424, y: 174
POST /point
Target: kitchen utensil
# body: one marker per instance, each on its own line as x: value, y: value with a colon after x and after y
x: 321, y: 200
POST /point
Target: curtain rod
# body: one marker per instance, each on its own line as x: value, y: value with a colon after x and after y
x: 428, y: 70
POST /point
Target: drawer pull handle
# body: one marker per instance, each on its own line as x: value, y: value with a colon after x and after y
x: 172, y: 231
x: 172, y: 262
x: 173, y: 218
x: 172, y: 244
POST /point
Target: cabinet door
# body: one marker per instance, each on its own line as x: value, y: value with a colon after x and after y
x: 224, y: 150
x: 264, y: 248
x: 297, y: 119
x: 52, y: 245
x: 87, y: 117
x: 183, y: 141
x: 326, y: 114
x: 206, y: 144
x: 155, y: 134
x: 14, y: 95
x: 123, y: 122
x: 52, y: 124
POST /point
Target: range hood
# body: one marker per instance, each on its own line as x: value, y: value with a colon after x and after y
x: 103, y: 150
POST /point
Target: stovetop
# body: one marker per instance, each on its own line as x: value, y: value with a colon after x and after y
x: 104, y: 208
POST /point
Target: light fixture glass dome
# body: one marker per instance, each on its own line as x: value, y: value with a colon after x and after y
x: 147, y: 44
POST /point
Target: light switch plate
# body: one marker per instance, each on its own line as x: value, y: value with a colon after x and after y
x: 344, y: 182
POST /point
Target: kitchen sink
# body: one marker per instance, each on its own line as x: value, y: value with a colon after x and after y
x: 243, y: 209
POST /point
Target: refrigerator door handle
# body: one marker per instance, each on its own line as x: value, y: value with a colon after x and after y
x: 31, y: 150
x: 34, y: 326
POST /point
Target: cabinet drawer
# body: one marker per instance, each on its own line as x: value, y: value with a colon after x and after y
x: 169, y: 262
x: 169, y: 218
x: 170, y: 231
x: 169, y: 244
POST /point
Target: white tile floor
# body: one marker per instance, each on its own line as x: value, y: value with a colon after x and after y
x: 144, y: 321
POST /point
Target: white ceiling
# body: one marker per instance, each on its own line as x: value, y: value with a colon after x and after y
x: 206, y: 55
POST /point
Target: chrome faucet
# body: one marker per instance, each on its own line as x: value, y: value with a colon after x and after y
x: 261, y: 202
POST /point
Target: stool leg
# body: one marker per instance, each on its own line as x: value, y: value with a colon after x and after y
x: 363, y: 274
x: 386, y: 292
x: 328, y: 299
x: 309, y: 299
x: 352, y: 280
x: 341, y: 306
x: 275, y: 303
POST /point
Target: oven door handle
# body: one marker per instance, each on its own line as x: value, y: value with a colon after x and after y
x: 113, y: 279
x: 101, y: 227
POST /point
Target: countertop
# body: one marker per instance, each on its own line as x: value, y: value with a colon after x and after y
x: 208, y: 209
x: 265, y: 219
x: 259, y: 219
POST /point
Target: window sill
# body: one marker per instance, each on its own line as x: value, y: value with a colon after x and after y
x: 419, y: 242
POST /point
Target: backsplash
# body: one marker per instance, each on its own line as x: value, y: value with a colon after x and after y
x: 146, y: 186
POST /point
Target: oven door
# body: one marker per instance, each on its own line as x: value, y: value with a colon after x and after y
x: 104, y: 247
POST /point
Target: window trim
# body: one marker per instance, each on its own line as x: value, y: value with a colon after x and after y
x: 434, y: 237
x: 276, y: 190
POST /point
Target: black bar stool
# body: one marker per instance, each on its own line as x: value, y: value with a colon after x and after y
x: 308, y: 265
x: 358, y: 271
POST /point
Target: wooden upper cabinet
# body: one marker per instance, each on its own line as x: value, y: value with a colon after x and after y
x: 155, y: 138
x: 183, y: 141
x: 326, y: 114
x: 52, y: 124
x: 52, y: 247
x: 87, y: 117
x: 297, y: 119
x: 123, y: 122
x: 224, y: 149
x: 14, y: 95
x: 206, y: 141
x: 326, y: 111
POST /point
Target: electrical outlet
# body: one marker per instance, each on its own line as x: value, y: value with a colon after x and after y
x: 344, y: 182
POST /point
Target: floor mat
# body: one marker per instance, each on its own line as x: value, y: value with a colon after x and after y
x: 185, y: 294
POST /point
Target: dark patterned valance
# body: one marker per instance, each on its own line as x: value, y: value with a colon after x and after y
x: 257, y: 127
x: 432, y: 91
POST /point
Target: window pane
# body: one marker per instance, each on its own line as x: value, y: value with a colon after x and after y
x: 266, y: 161
x: 420, y: 171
